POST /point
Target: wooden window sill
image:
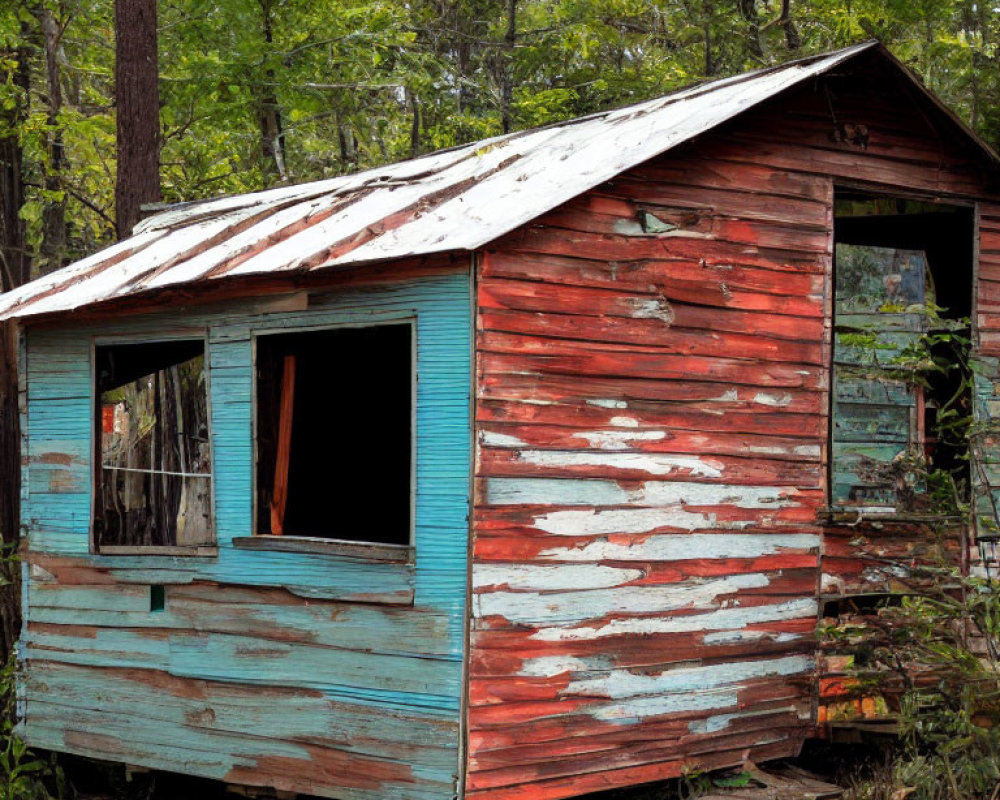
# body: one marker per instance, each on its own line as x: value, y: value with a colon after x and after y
x: 856, y: 516
x: 362, y: 551
x: 197, y: 551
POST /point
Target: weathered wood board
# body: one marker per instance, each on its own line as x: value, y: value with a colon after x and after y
x: 653, y: 422
x: 648, y: 448
x: 319, y: 673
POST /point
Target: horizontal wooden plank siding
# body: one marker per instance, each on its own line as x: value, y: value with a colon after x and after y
x: 652, y: 414
x: 322, y: 673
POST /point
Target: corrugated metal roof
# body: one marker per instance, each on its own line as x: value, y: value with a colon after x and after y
x: 458, y: 199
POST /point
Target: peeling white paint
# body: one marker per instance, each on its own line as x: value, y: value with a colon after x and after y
x: 653, y: 308
x: 634, y: 520
x: 653, y: 463
x: 624, y: 422
x: 686, y: 680
x: 602, y: 402
x: 40, y: 574
x: 831, y: 584
x: 550, y: 666
x: 494, y: 439
x: 683, y: 547
x: 640, y: 708
x: 618, y: 440
x: 728, y: 396
x: 737, y: 637
x: 812, y: 450
x: 584, y: 492
x: 552, y: 577
x: 552, y: 608
x: 773, y: 400
x: 681, y: 691
x: 723, y: 619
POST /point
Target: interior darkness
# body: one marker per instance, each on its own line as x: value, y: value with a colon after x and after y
x: 350, y: 462
x: 123, y: 363
x: 947, y: 236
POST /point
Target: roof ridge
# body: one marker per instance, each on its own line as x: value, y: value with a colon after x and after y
x: 459, y: 199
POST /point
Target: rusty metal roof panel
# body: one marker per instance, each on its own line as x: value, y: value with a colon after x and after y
x: 458, y: 199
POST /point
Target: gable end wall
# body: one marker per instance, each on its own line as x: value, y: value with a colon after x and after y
x: 652, y: 438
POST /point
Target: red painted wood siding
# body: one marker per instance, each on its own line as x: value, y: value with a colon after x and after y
x: 652, y: 435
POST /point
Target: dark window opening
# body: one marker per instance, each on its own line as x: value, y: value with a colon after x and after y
x: 157, y: 598
x: 334, y: 433
x: 901, y: 398
x: 154, y: 473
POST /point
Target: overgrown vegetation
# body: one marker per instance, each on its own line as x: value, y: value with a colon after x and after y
x: 933, y: 651
x: 23, y: 775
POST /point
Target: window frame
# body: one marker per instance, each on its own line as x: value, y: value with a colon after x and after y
x: 833, y: 513
x: 368, y: 550
x: 112, y: 340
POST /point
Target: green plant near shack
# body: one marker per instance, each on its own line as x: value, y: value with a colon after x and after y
x: 23, y: 775
x: 936, y: 644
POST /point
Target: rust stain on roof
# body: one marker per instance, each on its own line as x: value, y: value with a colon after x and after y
x: 457, y: 199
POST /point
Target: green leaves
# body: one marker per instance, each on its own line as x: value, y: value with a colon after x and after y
x: 364, y: 82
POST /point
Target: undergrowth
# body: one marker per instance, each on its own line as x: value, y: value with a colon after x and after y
x: 23, y: 775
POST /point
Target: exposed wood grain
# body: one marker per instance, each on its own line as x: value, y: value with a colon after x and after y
x: 279, y: 492
x: 612, y: 363
x: 319, y: 667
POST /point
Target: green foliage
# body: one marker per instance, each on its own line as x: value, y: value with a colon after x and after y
x: 941, y: 646
x: 364, y: 82
x: 22, y: 774
x: 695, y: 783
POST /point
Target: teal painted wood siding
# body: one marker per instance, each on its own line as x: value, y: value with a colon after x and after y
x: 314, y: 673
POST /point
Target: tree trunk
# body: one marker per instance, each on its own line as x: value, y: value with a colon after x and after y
x: 708, y: 12
x: 15, y: 265
x: 507, y: 75
x: 272, y: 136
x: 15, y: 269
x: 793, y: 41
x: 748, y: 10
x: 137, y: 99
x: 53, y: 246
x: 10, y: 480
x: 414, y: 123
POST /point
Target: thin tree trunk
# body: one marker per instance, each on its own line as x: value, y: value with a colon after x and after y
x: 348, y: 144
x: 272, y: 136
x: 793, y: 41
x: 507, y: 74
x: 10, y: 481
x: 708, y: 11
x: 15, y: 264
x: 53, y: 246
x: 15, y: 269
x: 748, y: 10
x: 415, y: 123
x: 137, y: 99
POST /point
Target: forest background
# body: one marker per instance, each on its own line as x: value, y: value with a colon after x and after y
x: 254, y: 93
x: 110, y: 107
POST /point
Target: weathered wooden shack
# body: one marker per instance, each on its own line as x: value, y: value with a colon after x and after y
x: 519, y: 470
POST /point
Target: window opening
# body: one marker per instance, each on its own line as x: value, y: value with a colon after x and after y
x: 901, y: 399
x: 154, y: 478
x: 157, y: 598
x: 334, y: 433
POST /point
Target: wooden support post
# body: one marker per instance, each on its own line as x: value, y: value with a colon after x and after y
x: 279, y: 497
